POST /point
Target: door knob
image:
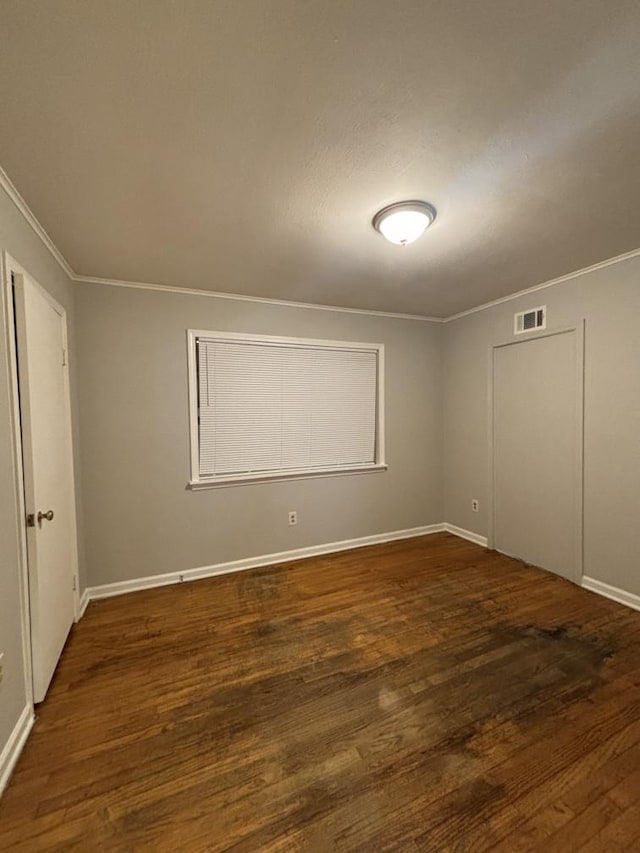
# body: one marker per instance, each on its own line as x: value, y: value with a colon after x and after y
x: 48, y: 515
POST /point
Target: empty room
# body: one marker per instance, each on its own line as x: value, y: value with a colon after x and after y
x: 319, y: 426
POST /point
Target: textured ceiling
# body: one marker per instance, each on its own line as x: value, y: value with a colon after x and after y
x: 244, y: 146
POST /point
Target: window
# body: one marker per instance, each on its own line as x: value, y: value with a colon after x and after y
x: 267, y: 408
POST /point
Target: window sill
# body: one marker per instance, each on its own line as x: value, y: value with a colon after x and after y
x: 239, y: 479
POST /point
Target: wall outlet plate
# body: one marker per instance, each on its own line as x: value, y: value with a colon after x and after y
x: 293, y: 518
x: 475, y: 505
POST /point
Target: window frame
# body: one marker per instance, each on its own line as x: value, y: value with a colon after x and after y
x: 197, y: 481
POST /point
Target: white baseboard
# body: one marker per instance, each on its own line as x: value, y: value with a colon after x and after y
x: 108, y: 590
x: 111, y: 589
x: 612, y: 592
x: 85, y: 598
x: 466, y: 534
x: 13, y: 747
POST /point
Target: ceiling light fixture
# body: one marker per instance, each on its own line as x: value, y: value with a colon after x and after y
x: 404, y: 221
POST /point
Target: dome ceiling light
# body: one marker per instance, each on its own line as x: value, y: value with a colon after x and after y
x: 404, y: 221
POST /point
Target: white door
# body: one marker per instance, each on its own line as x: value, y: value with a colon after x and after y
x: 48, y: 475
x: 537, y: 451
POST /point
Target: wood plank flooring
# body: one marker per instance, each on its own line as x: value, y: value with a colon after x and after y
x: 425, y: 695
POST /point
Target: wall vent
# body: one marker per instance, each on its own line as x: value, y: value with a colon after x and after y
x: 530, y: 321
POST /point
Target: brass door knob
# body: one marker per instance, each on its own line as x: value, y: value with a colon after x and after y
x: 48, y: 515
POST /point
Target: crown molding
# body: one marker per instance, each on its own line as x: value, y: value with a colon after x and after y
x: 12, y: 191
x: 425, y: 318
x: 25, y: 210
x: 8, y: 186
x: 239, y: 297
x: 551, y: 283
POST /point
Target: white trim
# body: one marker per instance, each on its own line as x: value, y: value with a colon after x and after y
x: 466, y: 534
x: 284, y: 477
x: 13, y: 747
x: 84, y: 602
x: 381, y: 446
x: 139, y: 285
x: 551, y: 283
x: 71, y: 463
x: 630, y: 599
x: 523, y: 331
x: 23, y: 207
x: 194, y: 432
x: 18, y: 269
x: 423, y: 317
x: 198, y: 482
x: 30, y: 217
x: 240, y: 297
x: 9, y: 266
x: 108, y: 590
x: 281, y: 341
x: 8, y: 186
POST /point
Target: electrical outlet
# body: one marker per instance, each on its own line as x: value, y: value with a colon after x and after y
x: 293, y: 518
x: 475, y: 505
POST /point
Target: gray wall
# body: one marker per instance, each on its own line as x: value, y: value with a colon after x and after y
x: 137, y: 517
x: 140, y: 518
x: 17, y: 238
x: 609, y: 301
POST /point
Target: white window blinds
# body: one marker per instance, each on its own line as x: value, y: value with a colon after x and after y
x: 269, y: 408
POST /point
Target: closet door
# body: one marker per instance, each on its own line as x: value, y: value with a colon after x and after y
x: 537, y: 451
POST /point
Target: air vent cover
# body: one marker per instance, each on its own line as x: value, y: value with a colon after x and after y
x: 530, y: 321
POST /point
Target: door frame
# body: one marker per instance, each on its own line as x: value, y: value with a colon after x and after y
x: 11, y: 266
x: 579, y: 331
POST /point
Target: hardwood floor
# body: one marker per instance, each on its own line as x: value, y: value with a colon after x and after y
x: 422, y: 695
